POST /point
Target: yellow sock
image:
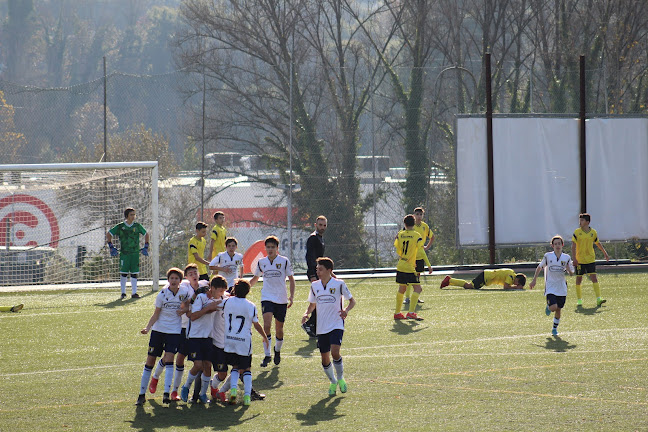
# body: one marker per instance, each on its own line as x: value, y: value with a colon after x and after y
x: 579, y: 291
x: 414, y: 301
x: 399, y: 301
x: 5, y: 308
x: 597, y: 289
x: 457, y: 282
x: 408, y: 291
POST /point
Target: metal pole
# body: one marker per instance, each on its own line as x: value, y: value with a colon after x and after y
x: 373, y: 156
x: 202, y: 166
x: 155, y: 230
x: 105, y: 116
x: 489, y: 151
x: 290, y: 145
x: 581, y: 123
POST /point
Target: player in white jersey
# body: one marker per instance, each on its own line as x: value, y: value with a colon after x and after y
x: 194, y: 285
x: 275, y: 269
x: 219, y: 284
x: 327, y: 295
x: 555, y: 265
x: 228, y: 263
x: 165, y: 326
x: 240, y: 315
x: 200, y: 342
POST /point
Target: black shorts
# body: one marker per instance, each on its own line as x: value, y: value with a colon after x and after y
x: 277, y: 310
x: 183, y: 345
x: 479, y: 281
x: 204, y: 276
x: 166, y: 342
x: 403, y: 278
x: 584, y: 269
x: 218, y: 359
x: 324, y: 341
x: 200, y: 349
x: 557, y: 300
x: 241, y: 362
x: 420, y: 266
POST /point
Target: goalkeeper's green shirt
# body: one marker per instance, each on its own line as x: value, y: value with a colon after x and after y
x: 128, y: 236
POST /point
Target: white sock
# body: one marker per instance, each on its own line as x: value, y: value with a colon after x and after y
x: 190, y: 379
x: 133, y: 285
x: 205, y: 384
x: 234, y: 377
x: 267, y: 350
x: 226, y: 384
x: 339, y: 368
x: 122, y: 282
x: 158, y: 369
x: 146, y: 376
x: 247, y: 383
x: 168, y: 377
x: 177, y: 377
x: 328, y: 370
x: 278, y: 344
x: 215, y: 381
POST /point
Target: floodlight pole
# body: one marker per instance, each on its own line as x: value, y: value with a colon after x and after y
x: 582, y: 117
x: 490, y: 164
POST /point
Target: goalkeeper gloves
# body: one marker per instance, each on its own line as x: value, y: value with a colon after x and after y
x: 144, y: 250
x: 113, y: 250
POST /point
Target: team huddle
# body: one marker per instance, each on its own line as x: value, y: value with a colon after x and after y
x: 209, y: 319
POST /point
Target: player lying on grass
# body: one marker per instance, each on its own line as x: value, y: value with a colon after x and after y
x: 16, y: 308
x: 505, y: 277
x: 165, y: 326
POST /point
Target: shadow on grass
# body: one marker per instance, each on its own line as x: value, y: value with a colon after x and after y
x: 557, y: 344
x: 588, y: 311
x: 180, y: 415
x: 320, y: 412
x: 118, y: 302
x: 268, y: 380
x: 404, y: 327
x: 307, y: 350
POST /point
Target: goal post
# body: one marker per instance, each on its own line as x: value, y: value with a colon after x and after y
x: 54, y: 219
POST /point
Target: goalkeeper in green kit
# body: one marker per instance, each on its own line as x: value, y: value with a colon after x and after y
x: 128, y: 233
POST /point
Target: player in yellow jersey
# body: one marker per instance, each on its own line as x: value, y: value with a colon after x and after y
x: 421, y: 257
x: 218, y: 236
x: 407, y: 244
x: 583, y: 255
x: 196, y: 251
x: 505, y: 277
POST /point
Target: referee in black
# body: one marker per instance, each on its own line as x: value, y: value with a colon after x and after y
x: 314, y: 250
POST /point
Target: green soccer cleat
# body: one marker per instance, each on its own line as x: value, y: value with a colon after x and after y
x: 579, y: 302
x: 332, y: 389
x: 547, y: 311
x: 232, y: 396
x: 600, y: 301
x: 343, y: 385
x: 246, y: 400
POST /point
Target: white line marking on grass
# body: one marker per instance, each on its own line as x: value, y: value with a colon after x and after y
x: 79, y: 369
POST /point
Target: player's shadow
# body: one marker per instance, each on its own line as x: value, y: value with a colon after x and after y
x: 119, y: 302
x: 307, y: 350
x: 324, y: 410
x: 405, y: 327
x: 557, y: 344
x: 588, y: 311
x: 268, y: 380
x: 181, y: 415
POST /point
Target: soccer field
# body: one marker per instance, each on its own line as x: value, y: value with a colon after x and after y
x: 481, y: 360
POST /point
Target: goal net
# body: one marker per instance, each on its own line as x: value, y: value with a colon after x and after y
x: 54, y: 219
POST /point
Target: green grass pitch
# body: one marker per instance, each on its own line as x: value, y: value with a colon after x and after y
x: 481, y: 360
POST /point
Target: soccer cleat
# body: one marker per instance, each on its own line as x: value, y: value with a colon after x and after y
x: 135, y: 296
x: 174, y: 396
x: 332, y: 389
x: 579, y: 302
x: 600, y: 301
x: 420, y: 301
x: 399, y: 316
x: 202, y: 399
x: 221, y: 396
x: 406, y: 301
x: 246, y: 400
x: 166, y: 399
x: 17, y: 308
x: 184, y: 394
x: 554, y: 331
x: 256, y: 395
x: 414, y: 316
x: 445, y: 282
x: 213, y: 392
x: 153, y: 385
x: 266, y: 361
x: 123, y: 296
x: 547, y: 311
x: 277, y: 356
x: 140, y: 400
x: 343, y: 385
x: 232, y: 396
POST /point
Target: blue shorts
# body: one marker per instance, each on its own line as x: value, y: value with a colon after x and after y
x: 277, y: 310
x: 183, y: 345
x: 200, y: 349
x: 241, y: 362
x: 219, y: 363
x: 557, y: 300
x: 324, y: 341
x: 166, y: 342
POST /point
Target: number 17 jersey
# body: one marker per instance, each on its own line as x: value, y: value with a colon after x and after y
x: 239, y: 314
